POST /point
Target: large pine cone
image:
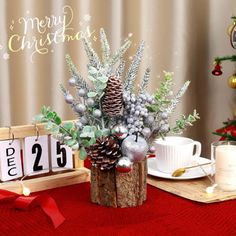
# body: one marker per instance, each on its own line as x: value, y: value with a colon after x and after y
x: 105, y: 153
x: 112, y: 102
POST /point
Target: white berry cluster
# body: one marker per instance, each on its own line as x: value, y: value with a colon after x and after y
x: 135, y: 111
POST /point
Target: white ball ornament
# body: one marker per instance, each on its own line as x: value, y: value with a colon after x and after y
x: 152, y: 149
x: 72, y: 81
x: 150, y: 119
x: 146, y: 132
x: 135, y: 148
x: 83, y: 120
x: 124, y: 165
x: 120, y: 131
x: 97, y: 113
x: 81, y: 92
x: 69, y: 98
x: 90, y: 102
x: 80, y: 108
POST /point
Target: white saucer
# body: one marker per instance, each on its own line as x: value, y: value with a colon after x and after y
x: 193, y: 173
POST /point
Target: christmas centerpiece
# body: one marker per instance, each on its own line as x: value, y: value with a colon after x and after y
x: 117, y: 122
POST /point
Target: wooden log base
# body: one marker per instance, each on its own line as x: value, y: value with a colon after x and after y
x: 113, y: 189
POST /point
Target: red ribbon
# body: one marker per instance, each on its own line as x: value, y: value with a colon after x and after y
x: 46, y: 202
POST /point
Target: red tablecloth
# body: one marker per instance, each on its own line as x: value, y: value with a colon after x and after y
x: 162, y: 214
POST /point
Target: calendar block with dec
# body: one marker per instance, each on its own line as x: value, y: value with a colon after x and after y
x: 41, y: 160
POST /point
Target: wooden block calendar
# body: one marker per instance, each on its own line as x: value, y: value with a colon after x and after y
x: 29, y: 152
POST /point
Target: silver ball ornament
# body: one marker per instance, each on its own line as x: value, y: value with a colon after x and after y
x: 120, y: 131
x: 124, y: 165
x: 149, y: 120
x: 90, y: 102
x: 79, y: 125
x: 134, y: 148
x: 72, y: 81
x: 97, y: 113
x: 146, y: 132
x: 83, y: 120
x: 69, y: 98
x: 81, y: 92
x: 164, y: 115
x: 80, y: 108
x: 152, y: 149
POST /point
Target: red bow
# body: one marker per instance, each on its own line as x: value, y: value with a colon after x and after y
x: 46, y: 202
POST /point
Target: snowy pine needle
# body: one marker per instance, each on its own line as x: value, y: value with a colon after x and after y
x: 120, y: 69
x: 145, y: 80
x: 177, y: 97
x: 105, y: 46
x: 133, y: 69
x: 92, y: 55
x: 80, y: 82
x: 120, y: 52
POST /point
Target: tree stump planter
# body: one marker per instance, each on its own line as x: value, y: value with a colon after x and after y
x: 114, y: 189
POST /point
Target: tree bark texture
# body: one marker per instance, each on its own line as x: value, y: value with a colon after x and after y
x: 113, y: 189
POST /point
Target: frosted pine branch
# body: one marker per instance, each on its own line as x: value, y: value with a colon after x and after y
x: 133, y: 69
x: 120, y: 69
x: 105, y: 46
x: 177, y: 97
x: 120, y: 52
x: 80, y: 82
x: 145, y: 80
x: 92, y: 55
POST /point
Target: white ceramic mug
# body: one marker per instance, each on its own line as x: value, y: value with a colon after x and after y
x: 175, y: 152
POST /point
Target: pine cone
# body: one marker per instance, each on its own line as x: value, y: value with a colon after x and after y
x: 105, y: 153
x: 112, y: 102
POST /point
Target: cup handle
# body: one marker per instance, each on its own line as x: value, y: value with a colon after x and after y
x: 198, y: 149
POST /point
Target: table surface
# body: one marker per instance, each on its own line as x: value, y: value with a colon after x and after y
x: 162, y: 214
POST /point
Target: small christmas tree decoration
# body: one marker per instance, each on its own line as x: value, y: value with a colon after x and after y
x: 117, y: 122
x: 112, y: 100
x: 232, y: 81
x: 105, y: 153
x: 124, y: 165
x: 217, y: 70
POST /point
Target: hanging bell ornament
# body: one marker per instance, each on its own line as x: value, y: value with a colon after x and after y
x: 232, y: 81
x: 124, y: 165
x: 120, y: 131
x: 217, y: 69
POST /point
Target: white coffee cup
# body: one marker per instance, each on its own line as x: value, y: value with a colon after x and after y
x: 175, y: 152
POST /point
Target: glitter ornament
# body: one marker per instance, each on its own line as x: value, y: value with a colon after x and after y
x: 124, y: 165
x: 69, y: 98
x: 232, y: 81
x: 135, y: 148
x: 72, y: 81
x: 120, y: 131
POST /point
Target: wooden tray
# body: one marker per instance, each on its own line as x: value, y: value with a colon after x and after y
x: 191, y: 189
